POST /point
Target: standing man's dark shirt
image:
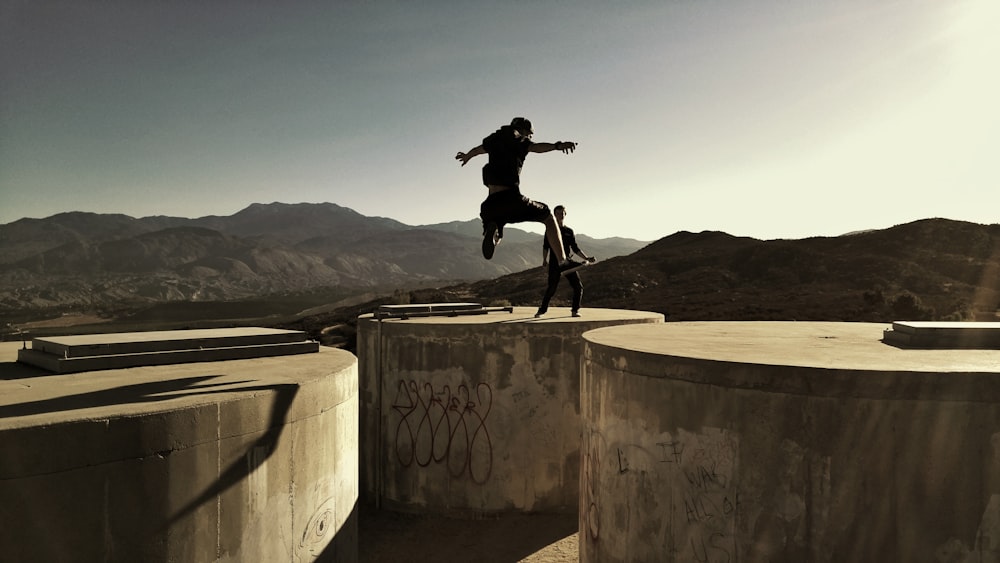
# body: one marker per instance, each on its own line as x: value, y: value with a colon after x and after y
x: 569, y: 243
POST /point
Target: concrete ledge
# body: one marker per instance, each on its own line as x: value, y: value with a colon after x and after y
x: 471, y: 415
x: 243, y: 460
x: 810, y: 358
x: 785, y: 442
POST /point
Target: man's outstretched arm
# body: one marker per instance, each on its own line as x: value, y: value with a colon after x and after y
x: 465, y: 157
x: 564, y: 146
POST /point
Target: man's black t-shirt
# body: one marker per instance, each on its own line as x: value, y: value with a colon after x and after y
x: 569, y: 244
x: 506, y: 152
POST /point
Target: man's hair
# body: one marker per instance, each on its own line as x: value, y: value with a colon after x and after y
x: 521, y: 123
x: 557, y: 208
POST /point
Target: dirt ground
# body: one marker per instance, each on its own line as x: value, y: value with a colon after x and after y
x: 388, y: 537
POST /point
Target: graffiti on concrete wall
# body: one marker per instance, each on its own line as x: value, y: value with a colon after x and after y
x: 589, y: 481
x: 442, y: 426
x: 319, y: 531
x: 702, y: 469
x: 695, y: 471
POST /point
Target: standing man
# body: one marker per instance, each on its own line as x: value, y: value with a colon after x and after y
x: 507, y: 147
x: 570, y: 246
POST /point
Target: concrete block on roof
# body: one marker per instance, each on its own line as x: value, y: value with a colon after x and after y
x: 93, y: 352
x: 942, y: 335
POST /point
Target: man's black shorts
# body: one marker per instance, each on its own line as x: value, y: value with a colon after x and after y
x: 509, y: 206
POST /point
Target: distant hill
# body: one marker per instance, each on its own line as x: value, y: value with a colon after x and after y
x: 930, y: 269
x: 933, y: 269
x: 89, y: 260
x: 337, y: 264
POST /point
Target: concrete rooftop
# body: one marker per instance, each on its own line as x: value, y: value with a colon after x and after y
x: 31, y: 396
x: 828, y: 345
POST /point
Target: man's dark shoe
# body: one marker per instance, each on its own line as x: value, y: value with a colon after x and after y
x: 490, y: 239
x: 570, y: 266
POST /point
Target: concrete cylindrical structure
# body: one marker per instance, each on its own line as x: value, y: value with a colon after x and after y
x: 242, y: 460
x: 475, y: 414
x: 786, y: 442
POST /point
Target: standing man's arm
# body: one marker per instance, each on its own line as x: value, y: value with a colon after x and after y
x: 465, y: 157
x: 582, y: 253
x: 570, y: 239
x: 564, y: 146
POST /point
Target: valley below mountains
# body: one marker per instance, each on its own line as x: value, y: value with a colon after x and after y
x: 112, y: 264
x: 316, y: 267
x: 932, y: 269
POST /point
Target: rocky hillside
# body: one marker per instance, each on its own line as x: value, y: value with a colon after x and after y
x: 87, y: 260
x: 931, y: 269
x: 934, y: 269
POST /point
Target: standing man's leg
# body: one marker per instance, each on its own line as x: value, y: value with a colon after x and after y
x: 577, y: 283
x: 550, y: 290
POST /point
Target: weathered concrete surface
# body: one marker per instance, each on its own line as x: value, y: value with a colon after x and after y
x: 786, y: 442
x: 244, y: 460
x: 475, y: 414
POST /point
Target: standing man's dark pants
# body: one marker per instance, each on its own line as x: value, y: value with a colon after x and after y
x: 550, y: 291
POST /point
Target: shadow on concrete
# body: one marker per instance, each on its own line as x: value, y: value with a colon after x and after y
x: 164, y: 390
x: 241, y: 468
x: 147, y: 392
x: 17, y: 370
x: 391, y: 536
x: 343, y: 547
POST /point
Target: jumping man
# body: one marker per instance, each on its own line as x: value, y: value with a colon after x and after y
x: 507, y: 147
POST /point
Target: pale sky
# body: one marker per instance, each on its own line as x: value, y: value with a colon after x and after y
x: 762, y: 118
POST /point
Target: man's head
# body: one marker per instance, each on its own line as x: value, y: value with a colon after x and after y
x: 559, y: 212
x: 522, y: 126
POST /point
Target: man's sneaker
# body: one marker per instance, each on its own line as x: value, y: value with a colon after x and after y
x: 576, y: 313
x: 570, y: 266
x: 490, y: 239
x: 539, y: 313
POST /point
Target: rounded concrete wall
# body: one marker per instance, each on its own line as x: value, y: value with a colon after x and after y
x: 475, y: 414
x: 786, y: 442
x: 244, y: 460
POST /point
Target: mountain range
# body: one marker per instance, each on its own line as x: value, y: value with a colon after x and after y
x: 931, y: 269
x: 83, y: 260
x: 284, y: 255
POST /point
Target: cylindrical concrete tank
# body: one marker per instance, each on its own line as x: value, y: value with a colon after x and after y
x: 475, y: 414
x: 786, y: 442
x: 230, y: 461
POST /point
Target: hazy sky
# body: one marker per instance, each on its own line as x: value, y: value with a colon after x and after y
x: 763, y: 118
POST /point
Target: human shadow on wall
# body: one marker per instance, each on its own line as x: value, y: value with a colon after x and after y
x: 243, y: 466
x: 165, y: 390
